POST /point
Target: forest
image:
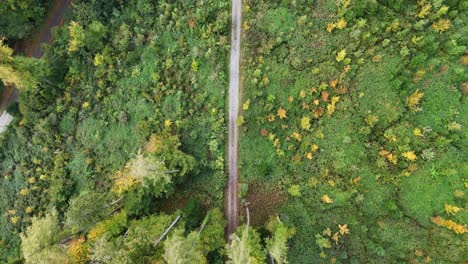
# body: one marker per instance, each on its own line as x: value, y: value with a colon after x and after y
x: 352, y: 145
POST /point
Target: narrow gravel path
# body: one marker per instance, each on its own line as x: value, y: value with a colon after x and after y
x: 234, y: 68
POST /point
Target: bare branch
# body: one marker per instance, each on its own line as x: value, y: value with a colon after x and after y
x: 167, y: 231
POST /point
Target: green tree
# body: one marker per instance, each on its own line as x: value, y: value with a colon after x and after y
x: 141, y: 236
x: 192, y: 213
x: 145, y: 171
x: 77, y: 37
x: 87, y: 209
x: 212, y: 235
x: 183, y: 250
x: 277, y: 245
x: 53, y: 254
x: 38, y: 240
x: 167, y: 146
x: 238, y: 249
x: 246, y: 248
x: 18, y: 71
x: 8, y: 75
x: 19, y: 17
x: 150, y: 172
x: 95, y: 36
x: 103, y: 250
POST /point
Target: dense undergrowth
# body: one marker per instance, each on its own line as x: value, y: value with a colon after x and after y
x: 18, y: 19
x: 129, y: 103
x: 357, y: 110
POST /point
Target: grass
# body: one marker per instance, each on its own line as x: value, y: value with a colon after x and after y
x: 355, y: 145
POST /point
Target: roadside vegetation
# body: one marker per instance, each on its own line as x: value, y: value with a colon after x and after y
x: 356, y: 111
x: 122, y: 116
x: 18, y: 19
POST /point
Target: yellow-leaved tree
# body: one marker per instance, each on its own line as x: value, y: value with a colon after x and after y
x: 15, y: 71
x: 39, y: 240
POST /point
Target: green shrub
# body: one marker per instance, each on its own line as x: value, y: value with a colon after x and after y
x: 440, y: 105
x: 279, y: 21
x: 378, y: 92
x: 193, y: 215
x: 424, y: 194
x: 138, y: 201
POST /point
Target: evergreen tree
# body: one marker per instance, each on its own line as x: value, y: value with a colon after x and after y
x: 19, y: 17
x: 183, y: 250
x: 212, y: 235
x: 238, y: 249
x: 8, y: 75
x: 246, y: 248
x: 277, y: 245
x: 87, y: 209
x: 19, y: 72
x: 38, y: 241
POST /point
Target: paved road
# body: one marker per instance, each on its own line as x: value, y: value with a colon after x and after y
x: 234, y: 68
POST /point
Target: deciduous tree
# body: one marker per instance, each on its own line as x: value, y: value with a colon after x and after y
x: 183, y: 250
x: 277, y: 244
x: 38, y: 240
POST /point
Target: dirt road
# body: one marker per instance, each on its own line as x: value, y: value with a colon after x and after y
x: 54, y: 18
x: 32, y: 47
x: 234, y: 68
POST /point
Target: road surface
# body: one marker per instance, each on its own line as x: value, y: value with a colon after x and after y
x: 234, y: 68
x: 54, y: 18
x: 32, y: 47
